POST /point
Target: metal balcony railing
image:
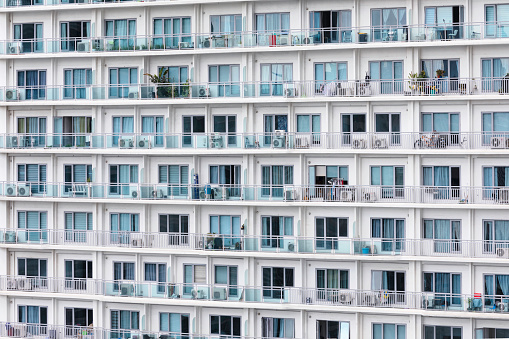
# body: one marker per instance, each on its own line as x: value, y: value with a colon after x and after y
x: 288, y: 244
x: 434, y: 141
x: 249, y: 39
x: 283, y: 295
x: 304, y: 90
x: 263, y: 193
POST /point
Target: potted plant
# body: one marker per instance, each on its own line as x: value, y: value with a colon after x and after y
x: 440, y: 73
x: 162, y: 91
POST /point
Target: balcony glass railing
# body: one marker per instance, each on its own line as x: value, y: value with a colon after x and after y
x: 437, y: 195
x: 282, y: 295
x: 27, y: 330
x: 309, y: 90
x: 261, y: 141
x: 251, y: 39
x: 260, y: 243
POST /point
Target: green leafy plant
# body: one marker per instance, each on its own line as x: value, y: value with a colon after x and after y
x: 163, y: 91
x: 440, y: 73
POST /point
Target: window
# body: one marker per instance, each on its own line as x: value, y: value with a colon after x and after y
x: 449, y: 66
x: 446, y: 286
x: 34, y: 130
x: 442, y: 176
x: 329, y: 230
x: 122, y: 271
x: 274, y: 229
x: 73, y: 32
x: 330, y: 71
x: 495, y: 234
x: 33, y: 315
x: 76, y: 174
x: 272, y: 22
x: 176, y: 75
x: 389, y: 74
x: 191, y: 125
x: 34, y: 175
x: 273, y: 76
x: 71, y: 131
x: 393, y: 282
x: 495, y: 17
x: 34, y: 84
x: 153, y: 126
x: 274, y: 178
x: 177, y: 323
x: 76, y: 274
x: 321, y: 178
x: 76, y: 226
x: 391, y: 178
x: 327, y: 329
x: 272, y: 123
x: 328, y: 281
x: 444, y: 126
x: 120, y: 178
x: 155, y: 272
x: 31, y: 35
x: 495, y: 286
x: 278, y: 327
x: 121, y: 79
x: 77, y: 317
x: 176, y: 177
x: 391, y: 232
x: 331, y: 26
x: 224, y: 80
x: 226, y: 275
x: 170, y: 32
x: 275, y: 279
x: 386, y: 23
x: 32, y: 267
x: 495, y: 122
x: 225, y: 325
x: 353, y: 123
x: 177, y: 226
x: 76, y: 82
x: 491, y: 333
x: 228, y: 229
x: 228, y: 176
x: 445, y: 21
x: 308, y: 130
x: 36, y: 225
x: 124, y: 321
x: 493, y: 72
x: 122, y: 224
x: 442, y: 332
x: 446, y: 234
x: 225, y: 24
x: 194, y: 274
x: 226, y: 124
x: 389, y: 331
x: 124, y: 33
x: 388, y: 124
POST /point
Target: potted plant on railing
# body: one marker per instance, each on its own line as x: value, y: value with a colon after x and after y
x: 440, y: 73
x: 162, y: 91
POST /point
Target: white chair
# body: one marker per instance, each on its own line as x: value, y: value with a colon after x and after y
x: 453, y: 35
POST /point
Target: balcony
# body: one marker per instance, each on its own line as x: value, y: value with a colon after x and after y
x: 235, y: 91
x: 25, y: 330
x: 308, y: 194
x: 430, y: 141
x: 346, y: 36
x: 370, y: 247
x: 278, y: 295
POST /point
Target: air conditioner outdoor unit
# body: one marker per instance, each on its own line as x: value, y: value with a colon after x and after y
x: 368, y: 196
x: 143, y: 142
x: 427, y: 300
x: 346, y: 195
x: 12, y: 141
x: 359, y: 143
x: 497, y: 142
x: 370, y: 299
x: 289, y: 193
x: 290, y: 246
x: 83, y: 46
x: 23, y: 190
x: 126, y: 142
x: 203, y: 92
x: 96, y: 45
x: 345, y: 298
x: 503, y: 195
x: 133, y: 192
x: 217, y: 192
x: 11, y: 284
x: 24, y: 284
x: 126, y: 289
x: 289, y: 91
x: 133, y: 92
x: 302, y: 142
x: 202, y: 194
x: 380, y: 143
x: 279, y: 141
x: 15, y: 48
x: 12, y: 94
x: 283, y: 40
x: 157, y: 193
x: 11, y: 190
x: 219, y: 293
x: 216, y: 141
x: 503, y: 252
x: 10, y: 236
